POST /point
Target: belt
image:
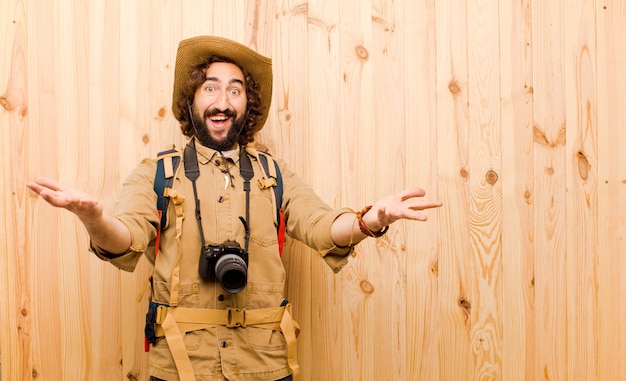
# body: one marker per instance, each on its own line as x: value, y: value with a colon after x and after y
x: 172, y: 321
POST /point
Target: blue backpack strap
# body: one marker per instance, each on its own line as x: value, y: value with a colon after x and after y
x: 168, y: 162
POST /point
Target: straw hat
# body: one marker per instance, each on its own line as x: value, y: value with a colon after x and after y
x: 194, y: 51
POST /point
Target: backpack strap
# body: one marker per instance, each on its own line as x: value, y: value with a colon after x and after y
x: 168, y: 163
x: 273, y: 178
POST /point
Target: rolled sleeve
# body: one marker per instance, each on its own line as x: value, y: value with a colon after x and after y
x: 309, y: 219
x: 136, y: 209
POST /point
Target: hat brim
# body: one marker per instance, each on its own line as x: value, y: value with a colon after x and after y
x: 194, y: 51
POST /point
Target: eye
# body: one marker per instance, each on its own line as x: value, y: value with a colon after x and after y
x: 235, y: 91
x: 209, y: 88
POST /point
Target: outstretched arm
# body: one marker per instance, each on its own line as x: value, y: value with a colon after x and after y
x: 104, y: 230
x: 407, y: 204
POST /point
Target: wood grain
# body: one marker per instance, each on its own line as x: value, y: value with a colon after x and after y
x: 516, y: 84
x: 511, y: 113
x: 611, y: 93
x: 582, y: 183
x: 549, y: 132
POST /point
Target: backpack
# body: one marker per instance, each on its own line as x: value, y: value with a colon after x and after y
x: 168, y: 163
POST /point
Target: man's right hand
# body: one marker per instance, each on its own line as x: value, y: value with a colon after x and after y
x: 76, y: 201
x: 104, y: 230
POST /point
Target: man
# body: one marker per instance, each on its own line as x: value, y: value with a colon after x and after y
x: 204, y: 322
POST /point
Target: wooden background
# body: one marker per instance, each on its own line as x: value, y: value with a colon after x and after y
x: 511, y: 112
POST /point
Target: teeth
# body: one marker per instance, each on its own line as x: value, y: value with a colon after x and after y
x: 219, y: 118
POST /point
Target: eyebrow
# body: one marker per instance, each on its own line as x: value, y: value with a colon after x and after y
x: 215, y: 79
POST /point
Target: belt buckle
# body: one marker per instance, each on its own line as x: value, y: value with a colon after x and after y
x: 236, y: 317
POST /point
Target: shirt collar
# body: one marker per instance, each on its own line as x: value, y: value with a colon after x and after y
x: 206, y: 154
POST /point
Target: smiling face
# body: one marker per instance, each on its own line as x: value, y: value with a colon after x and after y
x: 219, y: 106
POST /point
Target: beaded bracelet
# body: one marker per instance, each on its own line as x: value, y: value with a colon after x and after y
x: 364, y: 227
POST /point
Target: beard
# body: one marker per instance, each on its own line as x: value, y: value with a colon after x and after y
x: 204, y: 136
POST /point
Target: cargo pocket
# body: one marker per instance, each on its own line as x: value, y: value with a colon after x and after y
x: 188, y: 296
x: 268, y: 294
x: 265, y: 339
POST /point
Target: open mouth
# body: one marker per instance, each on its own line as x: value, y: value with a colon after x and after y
x: 219, y: 118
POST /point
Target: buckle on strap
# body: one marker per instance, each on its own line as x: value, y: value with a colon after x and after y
x: 236, y: 317
x: 160, y: 314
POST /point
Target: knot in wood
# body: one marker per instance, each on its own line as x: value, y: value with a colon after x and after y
x: 361, y: 52
x: 583, y: 166
x: 5, y: 103
x: 491, y: 176
x: 367, y: 287
x: 162, y: 113
x: 464, y: 173
x: 454, y: 87
x: 465, y: 305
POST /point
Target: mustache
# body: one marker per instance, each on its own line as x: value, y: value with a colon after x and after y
x: 213, y: 112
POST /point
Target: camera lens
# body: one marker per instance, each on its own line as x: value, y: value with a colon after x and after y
x: 232, y: 273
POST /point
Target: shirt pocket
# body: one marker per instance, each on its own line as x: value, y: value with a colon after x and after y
x: 262, y: 214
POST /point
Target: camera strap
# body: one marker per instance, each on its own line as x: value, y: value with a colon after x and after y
x: 246, y: 171
x: 192, y: 172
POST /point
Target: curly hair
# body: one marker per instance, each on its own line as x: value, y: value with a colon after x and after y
x: 197, y: 76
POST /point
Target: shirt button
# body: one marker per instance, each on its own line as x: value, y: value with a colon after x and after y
x: 221, y: 298
x: 220, y: 199
x: 223, y: 344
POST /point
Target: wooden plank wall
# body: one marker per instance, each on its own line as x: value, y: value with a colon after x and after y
x: 511, y: 112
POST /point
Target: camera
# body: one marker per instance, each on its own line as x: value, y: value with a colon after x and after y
x: 227, y: 263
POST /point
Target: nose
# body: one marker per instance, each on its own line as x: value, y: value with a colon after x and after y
x: 221, y: 101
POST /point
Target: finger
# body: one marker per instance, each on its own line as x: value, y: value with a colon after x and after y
x: 420, y: 204
x: 55, y: 198
x: 421, y: 217
x: 418, y: 215
x: 50, y: 183
x: 412, y: 192
x: 35, y: 187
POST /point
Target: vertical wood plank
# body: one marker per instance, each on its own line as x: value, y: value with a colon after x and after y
x: 611, y: 109
x: 420, y: 109
x: 289, y: 65
x: 15, y: 291
x: 101, y: 303
x: 517, y: 190
x: 549, y: 132
x: 72, y: 55
x: 359, y: 289
x: 485, y: 186
x: 455, y: 264
x: 388, y: 262
x: 582, y: 184
x: 323, y: 73
x: 44, y: 236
